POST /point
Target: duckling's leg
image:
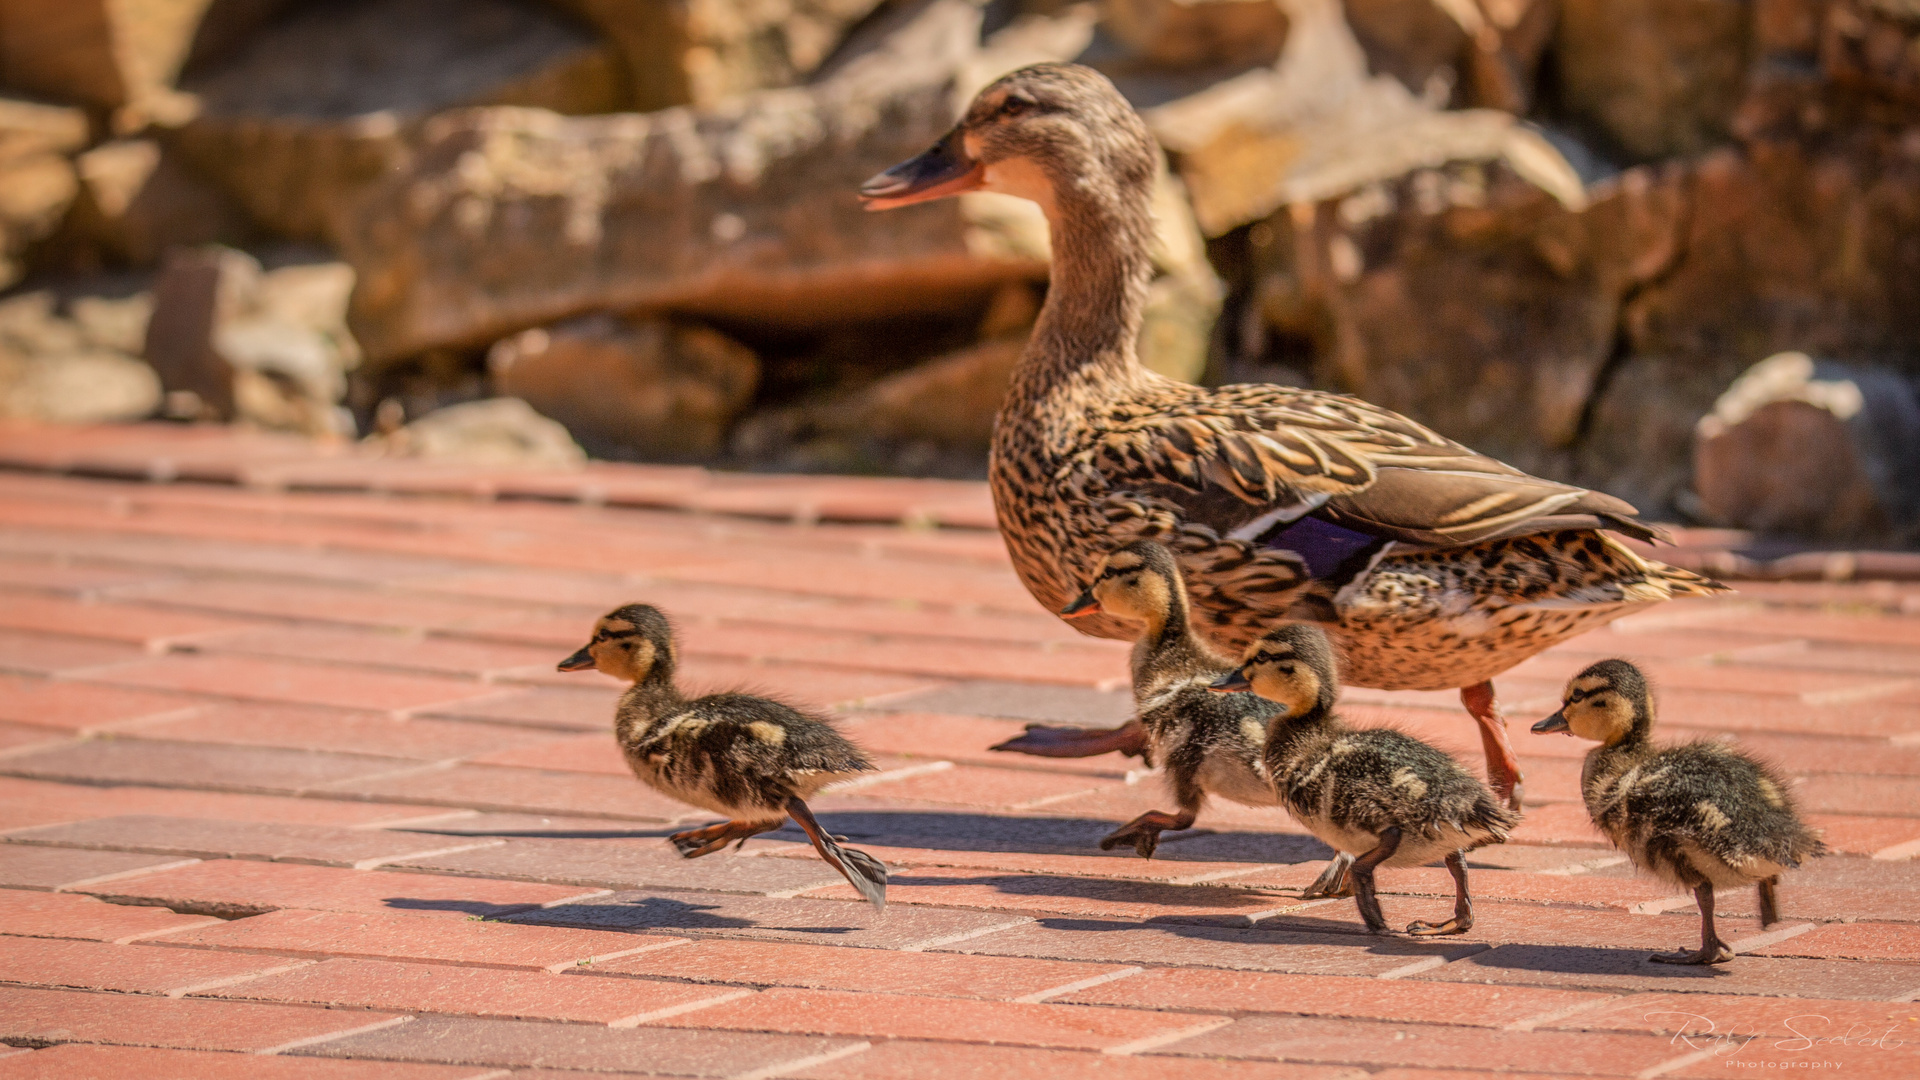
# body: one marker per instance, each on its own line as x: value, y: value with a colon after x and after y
x: 1048, y: 740
x: 1462, y: 920
x: 1362, y: 877
x: 1712, y: 949
x: 1769, y: 901
x: 865, y: 873
x: 1503, y: 768
x: 1334, y: 881
x: 705, y: 841
x: 1144, y: 831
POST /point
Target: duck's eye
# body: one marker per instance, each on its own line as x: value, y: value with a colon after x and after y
x: 1015, y: 105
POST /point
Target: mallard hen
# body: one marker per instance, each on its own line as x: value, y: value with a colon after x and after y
x: 1700, y: 815
x: 753, y: 759
x: 1204, y: 743
x: 1380, y: 795
x: 1436, y: 567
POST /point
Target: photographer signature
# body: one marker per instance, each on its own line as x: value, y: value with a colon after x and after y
x: 1700, y: 1033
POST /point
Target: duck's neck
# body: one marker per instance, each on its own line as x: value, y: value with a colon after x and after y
x: 1102, y: 262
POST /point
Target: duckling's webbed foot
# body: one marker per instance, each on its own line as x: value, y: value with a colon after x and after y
x: 1048, y: 740
x: 705, y: 841
x: 1712, y: 950
x: 866, y: 874
x: 1462, y: 920
x: 1144, y: 831
x: 1333, y: 882
x: 1362, y: 877
x: 1503, y: 767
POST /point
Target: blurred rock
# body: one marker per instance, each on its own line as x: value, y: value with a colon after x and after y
x: 67, y: 370
x: 653, y: 389
x: 37, y: 183
x: 1318, y: 126
x: 1472, y: 300
x: 312, y: 109
x: 1813, y: 449
x: 267, y: 347
x: 137, y: 200
x: 698, y: 52
x: 509, y: 218
x: 1415, y: 41
x: 109, y: 54
x: 499, y: 431
x: 1782, y: 250
x: 1199, y: 33
x: 1656, y: 78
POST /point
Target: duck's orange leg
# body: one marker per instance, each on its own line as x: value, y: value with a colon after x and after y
x: 1503, y: 768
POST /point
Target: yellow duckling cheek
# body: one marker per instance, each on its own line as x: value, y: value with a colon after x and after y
x: 1298, y: 692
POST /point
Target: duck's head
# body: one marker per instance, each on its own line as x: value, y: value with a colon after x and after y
x: 1293, y: 666
x: 1608, y: 702
x: 631, y: 643
x: 1049, y: 133
x: 1139, y: 581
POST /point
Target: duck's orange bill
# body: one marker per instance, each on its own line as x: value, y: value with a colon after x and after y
x: 943, y: 170
x: 1082, y: 606
x: 579, y: 661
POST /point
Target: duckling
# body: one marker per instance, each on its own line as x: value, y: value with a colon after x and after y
x: 751, y: 758
x: 1207, y: 744
x: 1379, y: 794
x: 1699, y: 815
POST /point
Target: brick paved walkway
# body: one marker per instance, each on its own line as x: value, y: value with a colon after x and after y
x: 289, y: 788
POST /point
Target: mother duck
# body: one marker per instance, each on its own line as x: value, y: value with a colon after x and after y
x: 1434, y: 566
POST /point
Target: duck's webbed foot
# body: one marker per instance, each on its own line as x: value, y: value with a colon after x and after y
x: 1712, y: 950
x: 705, y: 841
x: 1049, y: 740
x: 1462, y: 920
x: 1144, y: 831
x: 1333, y: 881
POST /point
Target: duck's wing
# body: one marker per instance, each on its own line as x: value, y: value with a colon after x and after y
x: 1248, y: 459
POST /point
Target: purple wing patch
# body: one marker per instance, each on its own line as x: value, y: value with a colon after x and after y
x: 1324, y: 546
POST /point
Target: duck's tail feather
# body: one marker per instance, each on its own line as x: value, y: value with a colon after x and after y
x: 865, y: 873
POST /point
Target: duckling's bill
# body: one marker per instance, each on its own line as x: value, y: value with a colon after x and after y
x: 1082, y: 606
x: 1557, y: 723
x: 581, y: 660
x: 1233, y: 682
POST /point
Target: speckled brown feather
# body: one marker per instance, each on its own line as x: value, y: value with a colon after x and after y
x: 1092, y: 452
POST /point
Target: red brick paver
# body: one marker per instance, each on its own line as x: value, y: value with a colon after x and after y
x: 289, y: 789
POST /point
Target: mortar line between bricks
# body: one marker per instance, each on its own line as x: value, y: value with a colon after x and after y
x: 145, y: 935
x: 1774, y: 937
x: 411, y: 769
x: 567, y: 965
x: 375, y: 864
x: 1531, y: 1022
x: 888, y: 776
x: 968, y: 935
x: 676, y: 1010
x: 1899, y: 852
x: 1428, y: 963
x: 784, y: 1067
x: 1154, y: 1042
x: 490, y: 1074
x: 235, y: 980
x: 315, y: 1040
x: 1078, y: 985
x: 104, y: 878
x: 404, y: 824
x: 1680, y: 1062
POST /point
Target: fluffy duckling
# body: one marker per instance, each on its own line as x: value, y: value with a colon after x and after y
x: 1208, y: 744
x: 1381, y: 795
x: 753, y: 759
x: 1699, y: 815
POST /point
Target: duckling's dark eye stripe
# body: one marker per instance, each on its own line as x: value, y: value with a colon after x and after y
x: 609, y: 635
